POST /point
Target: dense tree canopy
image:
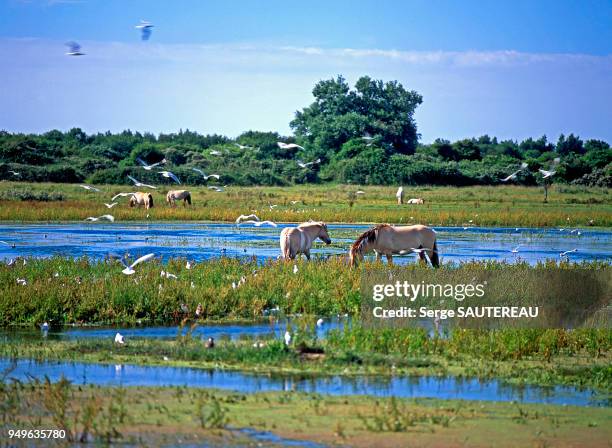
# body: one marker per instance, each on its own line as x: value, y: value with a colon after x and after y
x: 363, y: 136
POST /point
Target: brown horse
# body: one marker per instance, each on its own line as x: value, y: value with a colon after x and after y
x: 298, y: 240
x: 178, y: 195
x: 388, y: 240
x: 139, y: 199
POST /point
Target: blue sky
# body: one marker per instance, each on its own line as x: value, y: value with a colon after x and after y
x: 510, y: 69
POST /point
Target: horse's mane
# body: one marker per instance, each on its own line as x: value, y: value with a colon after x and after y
x: 310, y: 223
x: 367, y: 236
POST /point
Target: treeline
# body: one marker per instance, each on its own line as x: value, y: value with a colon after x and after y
x: 361, y: 136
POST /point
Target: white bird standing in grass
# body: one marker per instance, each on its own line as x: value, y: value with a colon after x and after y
x: 283, y: 145
x: 111, y: 205
x: 129, y: 270
x: 22, y: 282
x: 287, y: 338
x: 167, y: 274
x: 110, y: 218
x: 119, y: 339
x: 216, y: 188
x: 295, y: 269
x: 147, y: 166
x: 140, y: 184
x: 74, y: 49
x: 320, y: 322
x: 206, y: 177
x: 90, y: 188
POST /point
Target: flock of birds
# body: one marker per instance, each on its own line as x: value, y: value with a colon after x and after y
x: 545, y: 173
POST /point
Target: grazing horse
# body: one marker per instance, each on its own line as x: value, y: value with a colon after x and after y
x: 298, y: 240
x: 388, y: 240
x: 416, y: 201
x: 138, y: 199
x: 178, y: 195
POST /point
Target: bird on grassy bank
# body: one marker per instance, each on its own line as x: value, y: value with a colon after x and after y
x: 320, y: 322
x: 170, y: 175
x: 22, y: 282
x: 119, y: 339
x: 109, y: 218
x: 283, y: 145
x: 243, y: 217
x: 167, y: 274
x: 89, y: 188
x: 287, y: 338
x: 140, y: 184
x: 148, y: 167
x: 210, y: 343
x: 205, y: 176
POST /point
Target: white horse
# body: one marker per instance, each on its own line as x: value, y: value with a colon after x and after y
x: 298, y: 240
x: 140, y: 199
x: 388, y: 240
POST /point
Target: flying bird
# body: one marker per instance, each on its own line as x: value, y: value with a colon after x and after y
x: 140, y: 184
x: 306, y: 165
x: 8, y: 244
x: 243, y: 146
x: 110, y: 218
x: 283, y: 145
x: 129, y: 270
x: 206, y: 177
x: 147, y: 166
x: 511, y: 176
x: 89, y: 188
x: 145, y: 28
x: 170, y: 175
x: 516, y: 249
x: 243, y: 217
x: 14, y: 173
x: 567, y: 252
x: 111, y: 205
x: 546, y: 174
x: 260, y: 223
x: 120, y: 195
x: 74, y: 49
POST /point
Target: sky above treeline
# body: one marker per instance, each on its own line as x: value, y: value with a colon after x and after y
x: 508, y: 69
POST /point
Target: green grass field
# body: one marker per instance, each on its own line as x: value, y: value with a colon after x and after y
x: 452, y: 206
x: 146, y: 416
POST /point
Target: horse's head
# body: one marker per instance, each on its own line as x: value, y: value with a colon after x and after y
x: 323, y: 235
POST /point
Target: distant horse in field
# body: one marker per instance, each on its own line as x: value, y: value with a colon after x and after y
x: 298, y: 240
x: 415, y: 201
x: 178, y: 195
x: 388, y: 240
x: 140, y: 199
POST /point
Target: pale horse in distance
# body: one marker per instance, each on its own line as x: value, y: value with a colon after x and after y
x: 178, y: 195
x: 298, y: 240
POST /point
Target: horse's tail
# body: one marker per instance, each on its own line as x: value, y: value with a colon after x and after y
x: 188, y: 198
x: 435, y: 260
x: 150, y: 198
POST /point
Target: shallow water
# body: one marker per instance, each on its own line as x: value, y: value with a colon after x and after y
x: 430, y: 387
x: 201, y: 241
x: 274, y: 328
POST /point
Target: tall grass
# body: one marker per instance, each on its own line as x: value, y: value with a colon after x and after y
x: 484, y: 206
